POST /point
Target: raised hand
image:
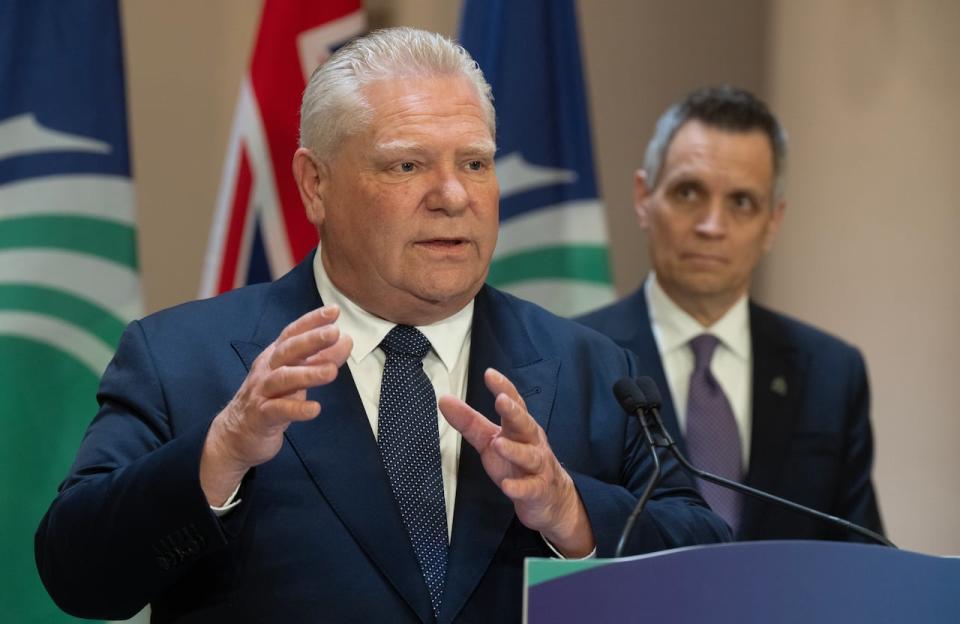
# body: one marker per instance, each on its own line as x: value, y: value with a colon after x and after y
x: 517, y: 457
x: 249, y: 430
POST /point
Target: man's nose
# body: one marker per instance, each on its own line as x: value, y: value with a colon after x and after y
x: 449, y: 192
x: 713, y: 221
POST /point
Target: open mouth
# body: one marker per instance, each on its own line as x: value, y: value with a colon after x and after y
x: 443, y: 243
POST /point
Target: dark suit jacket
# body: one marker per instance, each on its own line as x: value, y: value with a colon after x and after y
x: 318, y: 536
x: 811, y: 440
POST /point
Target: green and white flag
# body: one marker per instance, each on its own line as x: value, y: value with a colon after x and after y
x: 553, y: 232
x: 68, y: 261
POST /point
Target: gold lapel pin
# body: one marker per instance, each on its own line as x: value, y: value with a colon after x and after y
x: 779, y: 386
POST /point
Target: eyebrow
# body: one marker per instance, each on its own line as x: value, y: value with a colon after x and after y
x: 399, y: 146
x: 485, y: 149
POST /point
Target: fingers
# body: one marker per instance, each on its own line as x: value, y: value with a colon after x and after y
x: 522, y: 489
x: 516, y: 421
x: 312, y: 357
x: 312, y: 319
x: 290, y: 379
x: 309, y: 334
x: 284, y: 410
x: 498, y: 383
x: 471, y: 424
x: 335, y: 354
x: 298, y: 348
x: 526, y: 457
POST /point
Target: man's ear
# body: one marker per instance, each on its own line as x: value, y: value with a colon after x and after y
x: 776, y: 218
x: 311, y: 175
x: 641, y: 198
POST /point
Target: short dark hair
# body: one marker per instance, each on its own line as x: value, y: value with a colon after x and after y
x: 725, y: 108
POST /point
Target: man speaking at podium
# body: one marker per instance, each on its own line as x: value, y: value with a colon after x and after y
x: 237, y: 471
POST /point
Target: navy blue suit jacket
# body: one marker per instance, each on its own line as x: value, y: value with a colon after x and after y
x: 811, y: 440
x: 318, y: 536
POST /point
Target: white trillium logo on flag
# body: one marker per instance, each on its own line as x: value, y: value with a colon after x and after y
x: 552, y: 247
x: 75, y: 297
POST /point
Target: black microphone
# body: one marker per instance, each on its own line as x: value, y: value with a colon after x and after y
x: 632, y: 400
x: 662, y: 438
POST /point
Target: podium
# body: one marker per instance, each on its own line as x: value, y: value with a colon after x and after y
x: 740, y: 583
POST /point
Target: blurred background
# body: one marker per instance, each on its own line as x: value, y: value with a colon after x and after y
x: 868, y: 90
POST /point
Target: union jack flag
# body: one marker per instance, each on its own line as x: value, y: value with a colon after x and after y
x: 259, y: 229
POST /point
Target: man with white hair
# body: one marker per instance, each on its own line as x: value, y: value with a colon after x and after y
x: 237, y: 471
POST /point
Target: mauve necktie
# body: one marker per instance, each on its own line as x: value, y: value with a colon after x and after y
x: 410, y: 447
x: 713, y: 440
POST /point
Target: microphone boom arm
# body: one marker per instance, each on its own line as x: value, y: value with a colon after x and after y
x: 663, y: 440
x: 647, y: 491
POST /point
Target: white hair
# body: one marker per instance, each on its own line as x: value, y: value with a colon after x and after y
x: 334, y: 105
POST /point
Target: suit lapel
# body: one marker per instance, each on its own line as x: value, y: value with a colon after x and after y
x: 339, y: 450
x: 779, y: 374
x: 482, y: 512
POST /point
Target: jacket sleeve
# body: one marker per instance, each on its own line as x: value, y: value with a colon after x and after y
x: 130, y: 516
x: 856, y: 499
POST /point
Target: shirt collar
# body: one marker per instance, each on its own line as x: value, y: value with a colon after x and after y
x: 675, y: 328
x: 368, y: 331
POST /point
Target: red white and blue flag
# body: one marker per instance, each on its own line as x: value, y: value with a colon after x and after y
x: 259, y: 229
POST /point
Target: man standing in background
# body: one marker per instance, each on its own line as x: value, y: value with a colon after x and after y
x: 758, y: 397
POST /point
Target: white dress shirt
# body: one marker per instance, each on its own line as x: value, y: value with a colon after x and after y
x: 445, y: 366
x: 732, y: 363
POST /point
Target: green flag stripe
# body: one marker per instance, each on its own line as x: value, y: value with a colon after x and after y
x: 581, y: 262
x: 64, y: 306
x: 107, y: 239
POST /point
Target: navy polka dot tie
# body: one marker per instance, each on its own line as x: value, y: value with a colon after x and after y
x: 410, y: 447
x: 713, y: 438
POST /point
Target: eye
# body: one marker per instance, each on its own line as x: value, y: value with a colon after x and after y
x: 687, y: 192
x: 476, y: 165
x: 744, y: 202
x: 405, y: 167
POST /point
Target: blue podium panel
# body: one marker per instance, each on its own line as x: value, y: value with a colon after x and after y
x: 782, y: 582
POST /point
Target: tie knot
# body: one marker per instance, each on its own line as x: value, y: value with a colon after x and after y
x: 703, y: 347
x: 405, y: 340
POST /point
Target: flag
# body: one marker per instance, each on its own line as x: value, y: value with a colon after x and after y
x: 68, y: 261
x: 553, y: 238
x: 260, y: 229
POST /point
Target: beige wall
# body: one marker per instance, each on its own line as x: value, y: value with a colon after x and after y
x: 870, y: 93
x: 866, y: 88
x: 185, y: 60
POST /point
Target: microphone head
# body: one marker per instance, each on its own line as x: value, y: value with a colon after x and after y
x: 649, y: 389
x: 629, y: 395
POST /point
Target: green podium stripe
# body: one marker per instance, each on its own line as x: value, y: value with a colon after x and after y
x: 543, y: 570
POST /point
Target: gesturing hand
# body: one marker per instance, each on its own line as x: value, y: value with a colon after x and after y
x: 518, y: 458
x: 249, y: 430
